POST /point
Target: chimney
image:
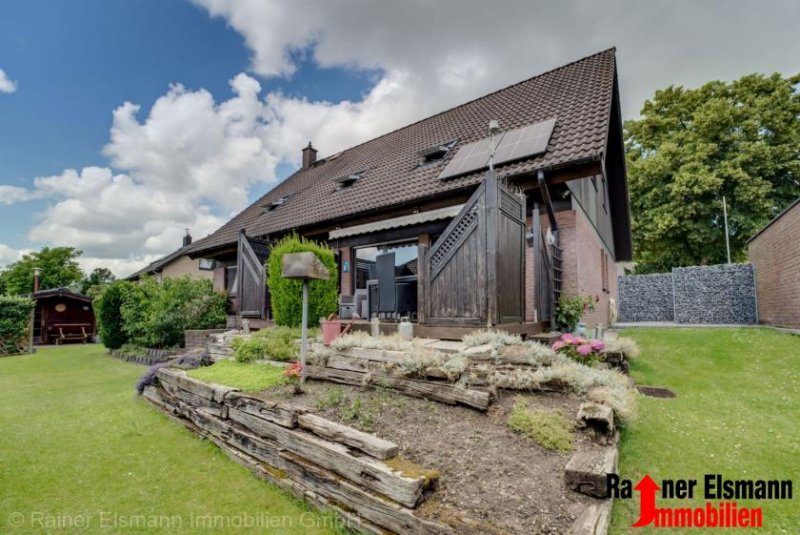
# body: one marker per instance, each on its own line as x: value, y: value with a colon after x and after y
x: 36, y: 273
x: 187, y: 240
x: 309, y: 156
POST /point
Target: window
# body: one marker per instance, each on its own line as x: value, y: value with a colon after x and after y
x: 277, y: 202
x: 435, y: 154
x: 365, y: 266
x: 405, y: 261
x: 604, y: 270
x: 349, y: 180
x: 206, y: 264
x: 230, y: 279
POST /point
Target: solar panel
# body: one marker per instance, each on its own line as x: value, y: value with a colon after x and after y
x: 523, y: 142
x: 470, y: 157
x: 512, y: 145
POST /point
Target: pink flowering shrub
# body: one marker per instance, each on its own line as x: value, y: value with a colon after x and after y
x: 578, y: 348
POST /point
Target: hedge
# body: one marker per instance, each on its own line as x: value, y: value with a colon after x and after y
x: 15, y: 316
x: 108, y: 314
x: 287, y: 294
x: 155, y: 315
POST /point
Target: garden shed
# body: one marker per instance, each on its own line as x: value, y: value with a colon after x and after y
x: 62, y: 316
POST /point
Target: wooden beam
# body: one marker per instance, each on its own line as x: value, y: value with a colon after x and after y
x: 587, y: 470
x: 442, y: 392
x: 336, y: 432
x: 366, y: 471
x: 282, y: 413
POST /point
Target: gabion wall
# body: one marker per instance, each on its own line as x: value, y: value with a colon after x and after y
x: 646, y: 298
x: 721, y: 294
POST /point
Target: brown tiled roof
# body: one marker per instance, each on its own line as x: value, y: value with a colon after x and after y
x: 579, y: 95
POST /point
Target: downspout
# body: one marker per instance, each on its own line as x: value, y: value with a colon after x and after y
x: 551, y: 215
x: 548, y: 204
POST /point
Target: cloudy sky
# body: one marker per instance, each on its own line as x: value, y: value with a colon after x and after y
x: 123, y: 123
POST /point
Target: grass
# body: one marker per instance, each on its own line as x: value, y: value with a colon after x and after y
x: 245, y: 377
x: 735, y: 414
x: 550, y: 429
x: 79, y: 453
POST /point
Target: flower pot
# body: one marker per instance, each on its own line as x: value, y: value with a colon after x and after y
x: 331, y: 330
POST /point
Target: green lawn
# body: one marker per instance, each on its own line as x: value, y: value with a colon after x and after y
x: 736, y: 414
x: 246, y: 377
x: 79, y: 453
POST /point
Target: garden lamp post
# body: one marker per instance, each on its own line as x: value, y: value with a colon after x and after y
x: 303, y: 266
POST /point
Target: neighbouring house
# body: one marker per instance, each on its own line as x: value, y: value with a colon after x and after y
x: 178, y: 264
x: 422, y: 227
x: 774, y: 252
x: 62, y: 316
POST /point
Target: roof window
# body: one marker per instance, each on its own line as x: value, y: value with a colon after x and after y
x: 277, y: 202
x: 347, y: 181
x: 435, y: 154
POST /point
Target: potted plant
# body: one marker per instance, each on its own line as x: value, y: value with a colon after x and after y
x: 571, y: 310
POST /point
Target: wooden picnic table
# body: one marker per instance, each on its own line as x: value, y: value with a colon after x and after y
x: 72, y: 331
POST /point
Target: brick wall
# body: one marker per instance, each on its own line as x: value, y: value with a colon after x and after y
x: 346, y: 280
x: 775, y: 255
x: 530, y: 278
x: 589, y: 268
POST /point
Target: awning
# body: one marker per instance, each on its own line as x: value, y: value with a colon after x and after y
x: 397, y: 222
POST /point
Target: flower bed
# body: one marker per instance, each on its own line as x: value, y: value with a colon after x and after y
x: 371, y: 397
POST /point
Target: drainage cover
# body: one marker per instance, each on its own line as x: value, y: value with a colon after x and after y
x: 656, y: 391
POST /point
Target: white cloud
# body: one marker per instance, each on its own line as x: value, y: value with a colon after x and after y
x: 451, y: 50
x: 8, y: 255
x: 189, y: 160
x: 192, y: 161
x: 14, y: 194
x: 6, y: 84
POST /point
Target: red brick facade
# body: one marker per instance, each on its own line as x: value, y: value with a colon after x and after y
x: 589, y: 268
x: 346, y: 279
x: 775, y: 255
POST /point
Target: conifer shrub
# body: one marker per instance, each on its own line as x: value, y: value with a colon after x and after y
x: 286, y: 295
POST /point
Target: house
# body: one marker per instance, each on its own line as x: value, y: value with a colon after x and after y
x: 422, y: 226
x: 774, y: 252
x: 61, y: 315
x: 177, y: 264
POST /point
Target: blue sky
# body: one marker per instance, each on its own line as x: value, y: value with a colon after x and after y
x: 141, y: 118
x: 75, y: 61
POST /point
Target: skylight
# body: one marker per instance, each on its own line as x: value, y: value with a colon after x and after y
x: 349, y: 180
x: 435, y: 154
x: 277, y: 202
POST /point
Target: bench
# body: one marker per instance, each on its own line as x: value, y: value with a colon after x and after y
x: 72, y: 331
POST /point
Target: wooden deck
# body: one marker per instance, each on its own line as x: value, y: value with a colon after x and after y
x: 453, y: 332
x: 439, y: 332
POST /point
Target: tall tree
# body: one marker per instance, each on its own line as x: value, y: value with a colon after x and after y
x: 96, y: 281
x: 691, y: 147
x: 58, y: 269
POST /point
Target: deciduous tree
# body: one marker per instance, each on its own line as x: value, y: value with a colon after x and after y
x: 58, y: 269
x: 691, y: 147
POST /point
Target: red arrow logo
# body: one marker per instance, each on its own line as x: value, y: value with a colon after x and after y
x: 647, y: 501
